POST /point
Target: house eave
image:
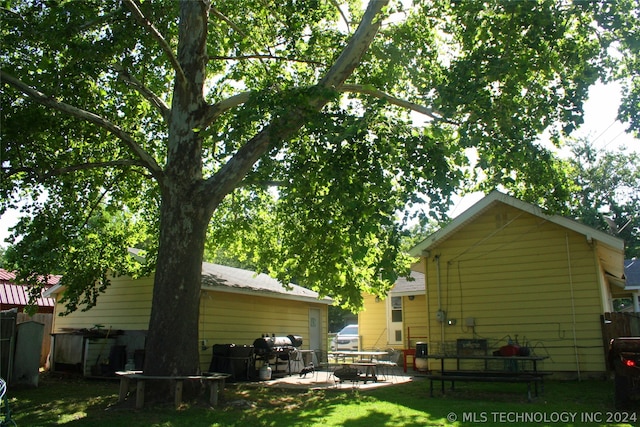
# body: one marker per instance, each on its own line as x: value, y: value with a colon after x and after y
x: 266, y: 293
x: 53, y: 291
x: 613, y: 243
x: 406, y: 293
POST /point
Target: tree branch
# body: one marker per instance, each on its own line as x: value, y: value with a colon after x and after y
x: 261, y: 56
x: 344, y: 18
x: 142, y: 20
x: 352, y: 54
x: 215, y: 110
x: 42, y: 175
x: 144, y: 91
x: 231, y: 24
x: 343, y: 68
x: 234, y: 171
x: 145, y: 159
x: 367, y: 90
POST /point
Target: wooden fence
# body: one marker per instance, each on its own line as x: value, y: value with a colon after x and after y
x: 616, y: 325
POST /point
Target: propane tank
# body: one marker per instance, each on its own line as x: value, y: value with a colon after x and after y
x: 265, y: 372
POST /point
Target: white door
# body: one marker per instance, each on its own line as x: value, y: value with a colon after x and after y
x: 394, y: 320
x: 315, y: 329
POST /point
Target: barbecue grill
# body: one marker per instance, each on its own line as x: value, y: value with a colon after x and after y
x: 281, y: 349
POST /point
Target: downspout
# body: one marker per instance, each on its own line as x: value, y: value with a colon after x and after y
x: 573, y: 307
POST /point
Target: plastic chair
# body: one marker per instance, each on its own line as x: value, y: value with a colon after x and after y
x: 4, y: 406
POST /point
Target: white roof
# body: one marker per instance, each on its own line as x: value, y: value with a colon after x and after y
x: 404, y: 286
x: 230, y: 279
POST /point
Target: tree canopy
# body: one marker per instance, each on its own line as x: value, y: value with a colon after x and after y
x: 607, y: 192
x: 166, y: 124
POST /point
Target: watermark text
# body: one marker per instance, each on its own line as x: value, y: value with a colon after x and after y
x: 557, y: 417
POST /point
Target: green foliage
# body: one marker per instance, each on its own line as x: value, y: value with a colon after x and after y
x: 621, y: 28
x: 607, y: 193
x: 88, y: 252
x: 3, y: 252
x: 337, y: 205
x: 113, y: 110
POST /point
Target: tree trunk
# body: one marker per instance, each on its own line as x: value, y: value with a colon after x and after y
x: 188, y: 202
x: 172, y: 340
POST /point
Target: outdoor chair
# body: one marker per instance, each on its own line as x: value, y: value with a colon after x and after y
x: 5, y: 411
x: 322, y: 363
x: 388, y: 363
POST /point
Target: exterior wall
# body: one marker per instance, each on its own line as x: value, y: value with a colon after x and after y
x: 125, y: 305
x: 520, y: 277
x: 373, y: 322
x: 225, y: 318
x: 229, y: 318
x: 415, y: 321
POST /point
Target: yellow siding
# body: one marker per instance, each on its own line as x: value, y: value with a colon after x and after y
x: 520, y: 277
x: 225, y: 318
x: 372, y: 322
x: 125, y: 305
x: 415, y: 321
x: 228, y: 318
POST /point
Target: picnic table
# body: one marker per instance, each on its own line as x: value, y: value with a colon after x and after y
x: 513, y: 370
x: 215, y: 380
x: 365, y: 360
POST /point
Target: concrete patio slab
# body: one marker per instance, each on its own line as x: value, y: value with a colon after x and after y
x: 326, y: 380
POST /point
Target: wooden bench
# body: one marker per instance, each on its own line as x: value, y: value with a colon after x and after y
x: 215, y: 380
x: 529, y: 377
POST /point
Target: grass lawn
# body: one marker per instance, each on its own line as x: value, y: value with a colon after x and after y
x: 80, y: 402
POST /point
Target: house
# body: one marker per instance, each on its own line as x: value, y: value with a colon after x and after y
x: 14, y: 296
x: 632, y: 275
x: 236, y: 307
x: 630, y: 286
x: 398, y: 321
x: 505, y: 271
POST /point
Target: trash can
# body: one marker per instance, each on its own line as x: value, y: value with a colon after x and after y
x: 422, y: 351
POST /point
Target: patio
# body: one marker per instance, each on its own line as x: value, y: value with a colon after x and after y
x: 326, y: 380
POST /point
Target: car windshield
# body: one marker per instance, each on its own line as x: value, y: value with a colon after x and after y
x: 349, y: 330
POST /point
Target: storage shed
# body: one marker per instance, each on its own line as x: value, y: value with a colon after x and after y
x: 236, y: 306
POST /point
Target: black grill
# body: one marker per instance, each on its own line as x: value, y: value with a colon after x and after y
x: 267, y: 347
x: 277, y: 350
x: 240, y: 360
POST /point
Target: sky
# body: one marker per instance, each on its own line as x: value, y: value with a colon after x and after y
x: 600, y: 126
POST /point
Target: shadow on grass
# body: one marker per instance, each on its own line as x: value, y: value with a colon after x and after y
x: 79, y: 402
x: 478, y: 402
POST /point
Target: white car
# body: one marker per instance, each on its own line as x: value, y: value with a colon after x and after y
x: 347, y: 339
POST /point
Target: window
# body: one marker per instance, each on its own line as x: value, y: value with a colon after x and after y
x: 394, y: 319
